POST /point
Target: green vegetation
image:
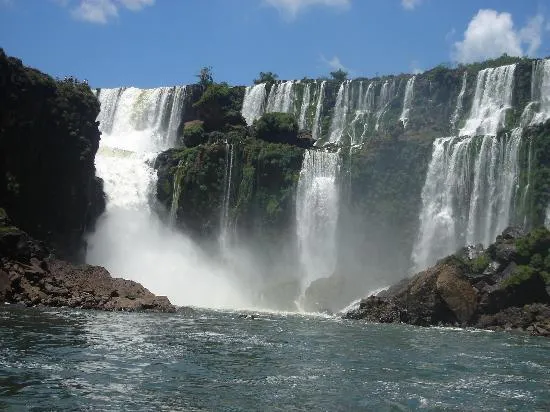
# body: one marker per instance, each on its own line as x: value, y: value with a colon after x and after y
x: 339, y: 75
x: 193, y: 133
x: 266, y: 77
x: 205, y: 76
x: 533, y: 255
x: 480, y: 263
x: 277, y: 128
x: 489, y: 63
x: 219, y: 107
x: 521, y: 274
x: 264, y: 178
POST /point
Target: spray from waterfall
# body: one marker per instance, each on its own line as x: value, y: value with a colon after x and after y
x: 130, y: 240
x: 317, y: 205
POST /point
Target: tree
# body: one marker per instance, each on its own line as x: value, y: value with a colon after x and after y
x: 339, y: 75
x: 205, y: 76
x: 266, y: 77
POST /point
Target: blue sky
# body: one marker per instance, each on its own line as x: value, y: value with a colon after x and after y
x: 148, y: 43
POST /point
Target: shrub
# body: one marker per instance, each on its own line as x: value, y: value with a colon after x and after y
x: 266, y: 77
x: 277, y: 128
x: 193, y: 133
x: 339, y: 75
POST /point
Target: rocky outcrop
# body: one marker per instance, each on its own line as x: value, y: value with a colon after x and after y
x: 193, y: 183
x: 48, y: 141
x: 31, y: 275
x: 502, y: 287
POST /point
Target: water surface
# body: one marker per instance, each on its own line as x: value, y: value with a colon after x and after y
x: 216, y: 360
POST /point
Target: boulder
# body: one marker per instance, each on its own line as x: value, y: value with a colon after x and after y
x: 30, y: 275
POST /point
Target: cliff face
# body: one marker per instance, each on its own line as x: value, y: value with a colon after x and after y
x: 245, y: 186
x: 48, y: 141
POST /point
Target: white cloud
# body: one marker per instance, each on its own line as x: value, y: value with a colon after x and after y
x: 490, y: 34
x: 450, y: 35
x: 531, y: 34
x: 334, y: 63
x: 410, y: 4
x: 101, y: 11
x: 291, y: 8
x: 415, y: 67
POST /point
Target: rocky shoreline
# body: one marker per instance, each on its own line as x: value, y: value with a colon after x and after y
x: 504, y: 287
x: 31, y: 275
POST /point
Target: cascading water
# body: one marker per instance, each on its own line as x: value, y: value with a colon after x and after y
x: 317, y: 203
x: 302, y: 119
x: 130, y: 240
x: 366, y: 105
x: 387, y: 92
x: 338, y: 123
x: 492, y: 99
x: 281, y: 97
x: 471, y: 188
x: 540, y: 90
x: 316, y: 127
x: 254, y: 103
x: 407, y: 101
x: 459, y: 103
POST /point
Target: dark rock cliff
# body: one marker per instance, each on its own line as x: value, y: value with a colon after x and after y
x: 48, y: 141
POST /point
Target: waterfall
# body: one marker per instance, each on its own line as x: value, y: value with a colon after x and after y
x: 472, y: 180
x: 254, y: 103
x: 366, y: 105
x: 281, y: 97
x: 130, y: 240
x: 547, y: 218
x: 495, y: 184
x: 174, y: 120
x: 407, y: 102
x: 302, y: 119
x: 338, y: 123
x: 384, y: 99
x: 109, y: 99
x: 459, y: 102
x: 540, y: 90
x: 492, y: 99
x: 317, y: 203
x: 226, y: 201
x: 316, y: 127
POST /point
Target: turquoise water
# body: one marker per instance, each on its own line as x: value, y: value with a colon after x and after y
x: 214, y: 360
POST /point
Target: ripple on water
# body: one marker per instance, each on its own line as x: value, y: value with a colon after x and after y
x: 68, y: 359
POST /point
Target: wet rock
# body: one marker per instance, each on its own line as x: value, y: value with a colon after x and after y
x: 509, y: 294
x: 27, y: 277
